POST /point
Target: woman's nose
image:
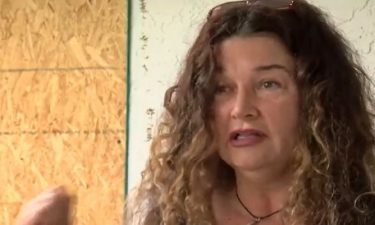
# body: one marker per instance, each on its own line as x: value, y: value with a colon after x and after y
x: 244, y: 106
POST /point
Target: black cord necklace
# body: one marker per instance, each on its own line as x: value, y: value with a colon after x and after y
x: 255, y: 219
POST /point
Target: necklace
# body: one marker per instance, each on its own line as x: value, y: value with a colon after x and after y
x: 255, y: 219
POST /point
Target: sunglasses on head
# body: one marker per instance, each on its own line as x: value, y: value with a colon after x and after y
x: 274, y: 4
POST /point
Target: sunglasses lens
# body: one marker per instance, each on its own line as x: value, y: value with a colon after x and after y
x: 275, y: 4
x: 224, y: 7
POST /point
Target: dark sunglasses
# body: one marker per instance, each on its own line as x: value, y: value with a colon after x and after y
x: 274, y: 4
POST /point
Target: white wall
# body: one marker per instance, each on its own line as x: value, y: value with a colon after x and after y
x: 162, y: 31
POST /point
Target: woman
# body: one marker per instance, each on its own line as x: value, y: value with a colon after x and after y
x: 270, y: 123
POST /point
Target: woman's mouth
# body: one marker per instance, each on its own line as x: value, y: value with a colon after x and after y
x: 246, y: 138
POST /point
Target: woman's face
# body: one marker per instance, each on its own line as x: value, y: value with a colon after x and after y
x: 256, y: 103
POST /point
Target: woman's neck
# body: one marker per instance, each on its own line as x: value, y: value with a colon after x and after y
x: 262, y: 193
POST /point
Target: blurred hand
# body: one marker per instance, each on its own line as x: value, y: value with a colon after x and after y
x: 51, y: 207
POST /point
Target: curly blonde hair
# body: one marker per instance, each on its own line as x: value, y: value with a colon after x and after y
x: 335, y: 161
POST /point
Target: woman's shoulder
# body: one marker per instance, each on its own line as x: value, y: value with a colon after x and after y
x: 138, y: 209
x: 135, y: 209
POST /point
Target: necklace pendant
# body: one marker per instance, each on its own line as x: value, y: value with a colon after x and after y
x: 253, y: 222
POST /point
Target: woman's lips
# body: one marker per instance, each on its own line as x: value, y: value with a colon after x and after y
x: 246, y: 138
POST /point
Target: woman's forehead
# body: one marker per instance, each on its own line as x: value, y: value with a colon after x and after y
x: 256, y: 52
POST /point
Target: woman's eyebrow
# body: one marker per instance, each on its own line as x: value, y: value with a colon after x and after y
x: 221, y: 73
x: 272, y: 67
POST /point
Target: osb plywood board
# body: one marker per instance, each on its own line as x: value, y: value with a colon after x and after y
x: 62, y: 104
x: 89, y: 165
x: 61, y: 101
x: 61, y: 33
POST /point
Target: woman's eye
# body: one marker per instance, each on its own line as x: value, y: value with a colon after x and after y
x: 222, y: 89
x: 270, y: 84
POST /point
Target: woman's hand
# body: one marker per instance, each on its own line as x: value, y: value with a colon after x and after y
x: 51, y: 207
